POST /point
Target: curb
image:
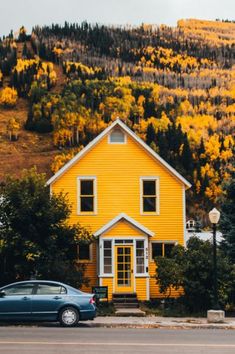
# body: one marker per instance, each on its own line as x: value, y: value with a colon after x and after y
x: 162, y: 325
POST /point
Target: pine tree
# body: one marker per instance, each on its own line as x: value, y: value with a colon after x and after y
x: 227, y: 223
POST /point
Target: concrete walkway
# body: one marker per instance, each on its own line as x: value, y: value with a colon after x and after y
x: 159, y: 322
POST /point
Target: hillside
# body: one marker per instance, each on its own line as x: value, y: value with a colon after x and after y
x: 174, y: 86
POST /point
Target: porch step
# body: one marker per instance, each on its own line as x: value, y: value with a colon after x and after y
x: 122, y: 312
x: 127, y: 305
x: 124, y: 300
x: 124, y: 295
x: 128, y: 302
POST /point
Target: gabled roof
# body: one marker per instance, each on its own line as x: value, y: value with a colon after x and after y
x: 94, y: 142
x: 127, y: 218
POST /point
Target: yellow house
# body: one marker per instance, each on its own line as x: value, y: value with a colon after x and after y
x: 133, y: 201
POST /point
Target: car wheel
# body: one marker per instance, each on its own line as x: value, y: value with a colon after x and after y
x: 68, y: 317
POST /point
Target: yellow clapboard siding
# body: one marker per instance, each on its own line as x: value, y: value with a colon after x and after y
x: 141, y: 288
x: 118, y: 169
x: 122, y: 228
x: 109, y: 283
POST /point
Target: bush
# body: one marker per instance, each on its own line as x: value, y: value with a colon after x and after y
x: 192, y: 269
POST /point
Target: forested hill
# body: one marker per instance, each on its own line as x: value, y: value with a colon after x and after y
x: 174, y: 86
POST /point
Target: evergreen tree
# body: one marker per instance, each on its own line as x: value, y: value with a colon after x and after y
x: 227, y: 222
x: 150, y: 135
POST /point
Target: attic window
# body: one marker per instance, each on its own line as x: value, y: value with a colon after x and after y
x: 117, y: 137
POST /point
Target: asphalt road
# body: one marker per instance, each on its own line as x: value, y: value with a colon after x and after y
x: 54, y: 339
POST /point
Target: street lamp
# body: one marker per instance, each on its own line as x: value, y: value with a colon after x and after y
x: 214, y: 216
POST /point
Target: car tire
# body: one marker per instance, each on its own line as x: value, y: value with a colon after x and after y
x: 69, y: 316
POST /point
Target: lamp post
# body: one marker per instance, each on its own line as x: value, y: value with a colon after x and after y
x: 214, y: 216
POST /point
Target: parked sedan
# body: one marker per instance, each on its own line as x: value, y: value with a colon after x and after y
x: 39, y: 300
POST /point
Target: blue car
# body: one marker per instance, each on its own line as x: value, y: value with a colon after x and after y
x: 39, y: 300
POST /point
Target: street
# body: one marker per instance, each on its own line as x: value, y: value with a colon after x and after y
x: 55, y: 339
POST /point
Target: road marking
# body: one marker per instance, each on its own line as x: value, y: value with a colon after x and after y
x: 123, y: 344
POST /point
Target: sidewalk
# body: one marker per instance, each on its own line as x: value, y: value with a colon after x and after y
x: 159, y: 322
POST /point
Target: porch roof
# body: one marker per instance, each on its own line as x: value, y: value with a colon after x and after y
x: 127, y: 218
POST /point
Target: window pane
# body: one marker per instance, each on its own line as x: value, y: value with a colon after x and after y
x: 156, y: 250
x: 149, y: 204
x: 168, y: 249
x: 87, y: 204
x: 84, y: 252
x: 149, y: 187
x: 140, y: 244
x: 140, y: 268
x: 48, y: 289
x: 140, y: 253
x: 86, y: 187
x: 107, y: 253
x: 107, y: 260
x: 23, y: 289
x: 107, y: 244
x: 117, y: 136
x: 108, y: 269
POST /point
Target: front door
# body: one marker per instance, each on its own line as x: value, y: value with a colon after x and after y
x: 124, y: 278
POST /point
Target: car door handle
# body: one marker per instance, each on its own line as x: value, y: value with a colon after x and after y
x: 25, y: 298
x: 57, y: 297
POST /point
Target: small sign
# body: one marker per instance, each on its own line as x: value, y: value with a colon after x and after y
x: 101, y: 292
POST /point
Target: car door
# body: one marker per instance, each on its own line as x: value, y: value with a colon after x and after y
x: 16, y: 303
x: 47, y: 300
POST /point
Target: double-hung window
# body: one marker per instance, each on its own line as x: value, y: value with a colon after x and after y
x: 140, y: 266
x: 107, y: 264
x: 162, y: 249
x: 149, y: 195
x: 87, y: 195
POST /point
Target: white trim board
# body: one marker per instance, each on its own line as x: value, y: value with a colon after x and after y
x: 123, y: 216
x: 119, y: 123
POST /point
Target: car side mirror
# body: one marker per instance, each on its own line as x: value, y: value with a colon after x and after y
x: 2, y: 293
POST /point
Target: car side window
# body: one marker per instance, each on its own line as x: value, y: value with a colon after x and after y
x: 50, y: 289
x: 22, y: 289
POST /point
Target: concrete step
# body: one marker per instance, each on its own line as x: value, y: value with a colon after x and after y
x: 135, y: 312
x: 125, y: 300
x: 126, y: 305
x: 124, y: 295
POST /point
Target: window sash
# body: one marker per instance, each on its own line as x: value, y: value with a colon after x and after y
x: 162, y: 248
x: 88, y: 251
x: 87, y: 195
x: 149, y: 195
x: 107, y: 257
x: 140, y: 257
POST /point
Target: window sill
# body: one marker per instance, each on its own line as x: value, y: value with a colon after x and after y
x: 106, y: 276
x: 153, y: 213
x: 144, y: 275
x: 86, y: 213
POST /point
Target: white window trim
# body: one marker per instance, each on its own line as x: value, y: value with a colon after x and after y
x: 101, y: 246
x: 116, y: 142
x: 160, y: 241
x: 112, y: 239
x: 90, y: 255
x: 150, y: 178
x: 81, y: 178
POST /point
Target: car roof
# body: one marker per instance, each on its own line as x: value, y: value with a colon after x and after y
x: 32, y: 281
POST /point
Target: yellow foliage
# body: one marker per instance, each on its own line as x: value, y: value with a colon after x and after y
x: 8, y: 97
x: 196, y: 126
x: 62, y: 159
